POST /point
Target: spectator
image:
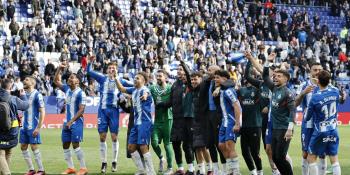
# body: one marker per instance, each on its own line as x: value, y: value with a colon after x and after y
x: 11, y: 9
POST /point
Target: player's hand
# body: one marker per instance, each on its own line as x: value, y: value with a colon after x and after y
x: 144, y: 96
x: 248, y: 55
x: 265, y: 110
x: 69, y: 124
x: 308, y: 89
x: 62, y: 66
x: 22, y: 92
x: 288, y: 135
x: 236, y: 128
x: 36, y: 132
x: 216, y: 92
x: 271, y: 57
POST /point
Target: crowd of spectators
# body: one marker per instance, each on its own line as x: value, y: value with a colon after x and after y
x: 203, y: 32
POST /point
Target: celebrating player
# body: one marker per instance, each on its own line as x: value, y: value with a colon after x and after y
x: 323, y: 111
x: 163, y: 121
x: 307, y: 90
x: 230, y: 125
x: 72, y: 132
x: 140, y: 134
x: 282, y: 113
x: 108, y: 111
x: 32, y: 122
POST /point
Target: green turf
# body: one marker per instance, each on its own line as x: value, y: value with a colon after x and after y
x: 54, y: 163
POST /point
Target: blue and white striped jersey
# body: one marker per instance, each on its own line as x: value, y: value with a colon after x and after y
x: 142, y: 109
x: 306, y: 100
x: 32, y: 114
x: 74, y: 99
x: 227, y: 98
x: 109, y: 93
x: 323, y: 109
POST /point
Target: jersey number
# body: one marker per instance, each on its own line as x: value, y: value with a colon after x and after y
x: 332, y: 110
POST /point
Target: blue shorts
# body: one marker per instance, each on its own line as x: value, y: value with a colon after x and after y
x: 268, y: 134
x: 306, y: 134
x: 26, y: 137
x: 141, y: 134
x: 226, y: 133
x: 326, y: 143
x: 108, y: 118
x: 74, y: 134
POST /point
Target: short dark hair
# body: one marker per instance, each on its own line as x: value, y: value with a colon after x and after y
x: 324, y: 78
x: 163, y: 72
x: 197, y: 74
x: 283, y: 72
x: 315, y: 64
x: 6, y: 83
x: 222, y: 73
x: 144, y: 75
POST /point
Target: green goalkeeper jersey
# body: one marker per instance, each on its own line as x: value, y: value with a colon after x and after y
x: 161, y: 94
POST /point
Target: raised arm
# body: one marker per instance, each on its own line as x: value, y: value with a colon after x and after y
x: 120, y: 86
x: 93, y: 74
x: 249, y: 78
x: 266, y: 77
x: 58, y: 77
x: 22, y: 102
x: 254, y: 62
x: 187, y: 73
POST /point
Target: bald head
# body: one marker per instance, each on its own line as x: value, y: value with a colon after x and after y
x: 212, y: 69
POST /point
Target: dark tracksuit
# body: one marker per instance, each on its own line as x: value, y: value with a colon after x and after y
x: 181, y: 132
x: 212, y: 115
x: 264, y: 99
x: 282, y: 112
x: 249, y: 98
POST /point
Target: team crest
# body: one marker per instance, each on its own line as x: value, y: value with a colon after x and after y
x: 253, y: 94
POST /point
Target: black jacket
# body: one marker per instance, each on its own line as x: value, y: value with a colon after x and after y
x: 9, y: 139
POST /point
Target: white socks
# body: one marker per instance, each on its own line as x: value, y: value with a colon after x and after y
x: 190, y: 167
x: 260, y: 172
x: 115, y: 150
x: 201, y: 168
x: 233, y: 166
x: 103, y: 152
x: 37, y: 157
x: 28, y: 159
x: 313, y: 168
x: 215, y: 167
x: 80, y: 155
x: 209, y: 166
x: 336, y: 169
x: 149, y: 164
x: 305, y: 167
x: 322, y: 166
x: 68, y: 158
x: 253, y: 172
x: 137, y: 160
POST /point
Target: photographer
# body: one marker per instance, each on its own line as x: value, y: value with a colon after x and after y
x: 9, y: 122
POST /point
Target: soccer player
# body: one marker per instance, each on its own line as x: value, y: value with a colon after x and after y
x: 282, y: 113
x: 72, y: 131
x: 323, y: 111
x: 265, y: 95
x: 307, y: 90
x: 230, y: 125
x: 163, y: 121
x: 249, y: 98
x: 192, y: 110
x: 140, y: 134
x: 108, y: 111
x: 32, y: 122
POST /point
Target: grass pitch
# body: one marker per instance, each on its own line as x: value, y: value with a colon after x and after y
x: 52, y: 154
